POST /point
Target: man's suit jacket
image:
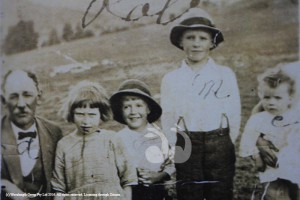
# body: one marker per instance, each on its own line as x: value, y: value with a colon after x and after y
x: 48, y: 134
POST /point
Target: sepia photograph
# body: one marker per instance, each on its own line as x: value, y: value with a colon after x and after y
x: 150, y: 99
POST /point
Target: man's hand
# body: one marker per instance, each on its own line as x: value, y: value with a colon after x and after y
x: 266, y: 150
x: 147, y: 177
x: 9, y: 187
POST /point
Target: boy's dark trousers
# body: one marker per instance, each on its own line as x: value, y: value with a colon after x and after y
x: 153, y: 192
x: 209, y: 171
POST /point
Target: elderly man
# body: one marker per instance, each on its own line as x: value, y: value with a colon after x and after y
x: 28, y: 142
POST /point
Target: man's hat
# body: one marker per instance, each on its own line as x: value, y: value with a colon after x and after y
x: 136, y: 88
x: 195, y: 18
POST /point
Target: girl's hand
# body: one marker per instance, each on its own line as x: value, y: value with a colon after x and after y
x: 128, y: 192
x: 147, y: 177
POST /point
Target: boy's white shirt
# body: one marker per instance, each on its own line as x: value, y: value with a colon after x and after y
x: 201, y: 98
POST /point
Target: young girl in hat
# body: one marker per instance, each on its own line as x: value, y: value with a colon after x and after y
x: 202, y: 98
x: 88, y: 160
x: 134, y: 107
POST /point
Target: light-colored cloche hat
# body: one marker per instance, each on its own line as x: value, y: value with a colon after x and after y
x: 137, y: 88
x: 195, y: 18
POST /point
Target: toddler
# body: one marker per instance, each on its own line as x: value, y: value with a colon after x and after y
x: 276, y: 91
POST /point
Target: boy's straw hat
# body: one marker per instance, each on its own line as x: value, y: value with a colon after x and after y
x: 195, y: 18
x: 136, y: 88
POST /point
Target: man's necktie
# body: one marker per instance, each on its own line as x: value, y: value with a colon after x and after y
x: 23, y: 135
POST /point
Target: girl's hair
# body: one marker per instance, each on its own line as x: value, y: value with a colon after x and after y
x: 83, y: 94
x: 273, y: 78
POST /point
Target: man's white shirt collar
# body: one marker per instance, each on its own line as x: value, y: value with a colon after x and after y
x: 16, y: 129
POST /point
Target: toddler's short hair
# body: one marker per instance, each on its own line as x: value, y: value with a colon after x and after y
x: 87, y: 93
x: 273, y: 78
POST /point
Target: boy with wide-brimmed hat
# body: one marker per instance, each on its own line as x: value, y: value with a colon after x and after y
x: 202, y: 97
x: 134, y: 107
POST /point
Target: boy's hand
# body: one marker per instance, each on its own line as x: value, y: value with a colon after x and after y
x: 148, y: 177
x: 266, y: 149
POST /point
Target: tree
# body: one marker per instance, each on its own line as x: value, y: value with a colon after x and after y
x: 88, y: 33
x: 21, y: 37
x: 68, y: 33
x: 53, y: 38
x: 79, y: 32
x: 295, y: 1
